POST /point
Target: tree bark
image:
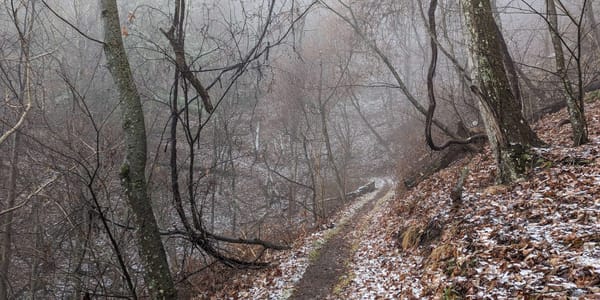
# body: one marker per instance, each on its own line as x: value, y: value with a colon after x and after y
x: 133, y: 178
x: 508, y: 132
x: 573, y: 99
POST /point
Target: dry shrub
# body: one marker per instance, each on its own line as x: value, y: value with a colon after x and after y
x: 432, y: 232
x: 411, y: 237
x: 440, y: 254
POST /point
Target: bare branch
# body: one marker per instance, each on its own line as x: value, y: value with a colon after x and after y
x: 71, y: 25
x: 431, y: 91
x: 31, y: 195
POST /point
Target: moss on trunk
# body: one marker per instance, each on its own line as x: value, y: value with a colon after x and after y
x: 509, y: 133
x: 133, y: 171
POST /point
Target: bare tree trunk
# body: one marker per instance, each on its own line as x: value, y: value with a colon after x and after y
x: 574, y: 99
x: 25, y: 32
x: 292, y: 206
x: 356, y: 104
x: 152, y: 253
x: 325, y: 131
x: 5, y: 251
x: 509, y: 134
x: 35, y: 283
x: 311, y: 172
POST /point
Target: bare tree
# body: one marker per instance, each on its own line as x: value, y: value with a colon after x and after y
x: 352, y: 20
x: 133, y: 171
x: 573, y: 92
x: 594, y: 26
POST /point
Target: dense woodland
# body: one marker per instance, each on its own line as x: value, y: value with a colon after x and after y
x: 146, y: 146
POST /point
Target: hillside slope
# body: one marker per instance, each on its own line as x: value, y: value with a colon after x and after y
x: 538, y: 238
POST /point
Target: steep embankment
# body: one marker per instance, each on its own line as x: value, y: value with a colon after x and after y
x: 537, y: 238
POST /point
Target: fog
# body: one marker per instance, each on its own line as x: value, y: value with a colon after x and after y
x: 306, y: 111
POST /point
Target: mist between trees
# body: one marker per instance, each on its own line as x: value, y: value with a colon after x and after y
x: 144, y: 143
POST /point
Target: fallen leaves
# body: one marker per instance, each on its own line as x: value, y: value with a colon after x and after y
x: 538, y: 238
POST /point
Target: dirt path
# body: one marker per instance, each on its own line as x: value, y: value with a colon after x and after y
x: 326, y: 271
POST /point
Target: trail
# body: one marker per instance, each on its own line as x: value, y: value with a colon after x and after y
x: 328, y: 268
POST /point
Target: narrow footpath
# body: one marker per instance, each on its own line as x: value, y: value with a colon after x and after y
x: 328, y: 269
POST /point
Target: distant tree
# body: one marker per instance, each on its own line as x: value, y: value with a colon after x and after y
x: 573, y: 91
x: 569, y: 65
x: 594, y: 26
x: 347, y: 13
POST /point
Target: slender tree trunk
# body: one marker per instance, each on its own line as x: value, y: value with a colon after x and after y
x: 338, y: 176
x: 356, y: 104
x: 325, y: 131
x: 35, y: 283
x: 574, y: 103
x: 133, y: 178
x: 311, y: 172
x: 509, y: 134
x: 6, y: 250
x: 294, y: 176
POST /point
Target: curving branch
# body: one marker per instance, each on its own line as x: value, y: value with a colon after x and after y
x: 431, y: 91
x: 64, y: 20
x: 18, y: 124
x: 184, y: 68
x: 37, y: 191
x: 353, y: 22
x: 193, y: 228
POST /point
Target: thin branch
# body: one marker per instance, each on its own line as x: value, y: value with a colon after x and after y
x: 71, y: 25
x: 353, y: 22
x: 31, y: 195
x: 431, y: 91
x: 18, y: 124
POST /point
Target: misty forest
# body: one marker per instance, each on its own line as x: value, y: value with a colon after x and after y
x: 299, y: 149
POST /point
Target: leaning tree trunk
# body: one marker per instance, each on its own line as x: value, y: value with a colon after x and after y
x: 509, y: 133
x: 133, y: 178
x: 573, y: 98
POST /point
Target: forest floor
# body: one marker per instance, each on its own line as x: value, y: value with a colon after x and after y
x: 537, y: 238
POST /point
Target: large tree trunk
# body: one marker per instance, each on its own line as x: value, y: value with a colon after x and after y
x: 156, y: 269
x: 509, y: 134
x: 574, y: 98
